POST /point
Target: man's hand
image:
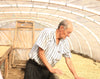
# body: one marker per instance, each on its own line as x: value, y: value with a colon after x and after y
x: 71, y: 68
x: 56, y: 71
x: 79, y: 78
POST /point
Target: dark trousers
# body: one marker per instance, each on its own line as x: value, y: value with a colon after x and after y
x: 36, y: 71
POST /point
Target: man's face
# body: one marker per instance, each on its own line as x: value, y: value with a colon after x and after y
x: 65, y: 32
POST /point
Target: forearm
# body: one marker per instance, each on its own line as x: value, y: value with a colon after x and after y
x: 44, y: 60
x: 71, y: 67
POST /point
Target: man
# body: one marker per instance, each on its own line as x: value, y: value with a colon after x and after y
x: 47, y: 51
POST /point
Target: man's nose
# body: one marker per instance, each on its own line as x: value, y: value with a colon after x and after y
x: 68, y: 35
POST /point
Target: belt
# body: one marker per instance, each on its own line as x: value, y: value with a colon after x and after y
x: 32, y: 61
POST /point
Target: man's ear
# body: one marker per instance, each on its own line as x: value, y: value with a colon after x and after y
x: 61, y: 27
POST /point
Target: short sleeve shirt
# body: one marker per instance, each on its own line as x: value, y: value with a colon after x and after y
x: 53, y: 52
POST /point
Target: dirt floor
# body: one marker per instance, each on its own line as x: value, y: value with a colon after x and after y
x: 84, y: 67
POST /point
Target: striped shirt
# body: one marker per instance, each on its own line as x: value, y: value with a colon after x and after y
x: 53, y: 52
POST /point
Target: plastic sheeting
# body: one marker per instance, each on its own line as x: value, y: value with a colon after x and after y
x: 84, y: 14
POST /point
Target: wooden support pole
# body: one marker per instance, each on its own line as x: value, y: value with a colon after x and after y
x: 10, y: 59
x: 6, y: 68
x: 13, y: 29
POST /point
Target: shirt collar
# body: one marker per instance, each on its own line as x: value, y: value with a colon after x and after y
x: 55, y: 35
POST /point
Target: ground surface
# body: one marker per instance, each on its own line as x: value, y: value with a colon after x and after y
x: 84, y: 67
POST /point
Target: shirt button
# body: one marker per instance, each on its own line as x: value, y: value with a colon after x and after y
x: 58, y: 51
x: 57, y: 59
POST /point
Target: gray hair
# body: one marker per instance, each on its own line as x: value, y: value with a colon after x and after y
x: 64, y: 23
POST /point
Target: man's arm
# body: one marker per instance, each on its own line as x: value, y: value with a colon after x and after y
x: 71, y: 68
x: 44, y: 60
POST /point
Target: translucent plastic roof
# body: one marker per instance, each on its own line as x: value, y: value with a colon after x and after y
x: 85, y: 15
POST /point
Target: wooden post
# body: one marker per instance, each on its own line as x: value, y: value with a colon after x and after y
x: 6, y: 68
x: 14, y: 41
x: 10, y: 59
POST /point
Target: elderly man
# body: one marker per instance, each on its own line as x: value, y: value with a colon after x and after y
x: 50, y: 46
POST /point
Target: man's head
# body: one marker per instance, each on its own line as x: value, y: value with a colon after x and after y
x: 65, y: 28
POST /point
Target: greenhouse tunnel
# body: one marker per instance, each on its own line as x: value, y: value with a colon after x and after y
x: 40, y: 14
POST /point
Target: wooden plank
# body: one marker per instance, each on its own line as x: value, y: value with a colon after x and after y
x: 13, y: 29
x: 15, y: 36
x: 24, y: 24
x: 20, y: 48
x: 23, y: 21
x: 8, y: 29
x: 5, y: 45
x: 6, y: 68
x: 30, y: 27
x: 10, y: 59
x: 38, y: 29
x: 20, y: 63
x: 23, y: 29
x: 12, y: 62
x: 3, y: 50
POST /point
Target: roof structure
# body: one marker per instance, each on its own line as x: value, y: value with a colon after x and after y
x: 84, y: 14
